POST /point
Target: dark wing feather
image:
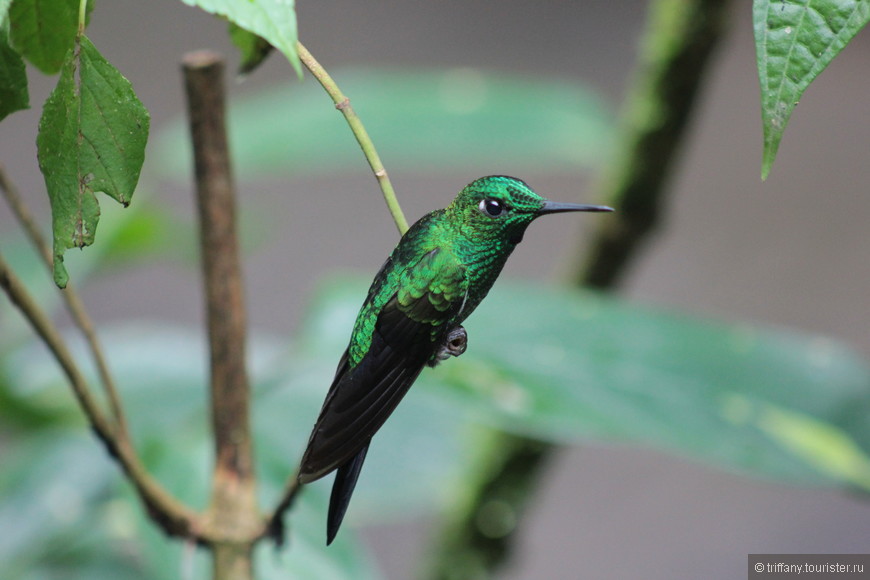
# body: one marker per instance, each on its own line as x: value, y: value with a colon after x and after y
x: 360, y: 400
x: 407, y: 332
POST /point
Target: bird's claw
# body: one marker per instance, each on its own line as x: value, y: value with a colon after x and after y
x: 454, y: 344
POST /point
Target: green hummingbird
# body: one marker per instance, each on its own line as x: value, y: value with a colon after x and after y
x: 436, y: 276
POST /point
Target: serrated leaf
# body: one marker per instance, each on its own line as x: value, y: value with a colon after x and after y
x: 114, y: 127
x: 252, y: 48
x: 13, y: 79
x: 92, y: 137
x: 273, y: 20
x: 794, y: 41
x: 43, y: 31
x: 74, y: 208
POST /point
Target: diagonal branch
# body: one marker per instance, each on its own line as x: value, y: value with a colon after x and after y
x: 342, y: 103
x: 73, y: 303
x: 275, y: 526
x: 175, y: 518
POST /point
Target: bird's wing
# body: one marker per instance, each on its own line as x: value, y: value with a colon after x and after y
x: 406, y: 333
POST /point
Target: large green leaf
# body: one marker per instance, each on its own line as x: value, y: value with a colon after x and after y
x: 457, y: 118
x: 273, y: 20
x: 92, y: 138
x: 567, y: 366
x: 794, y: 42
x: 556, y: 364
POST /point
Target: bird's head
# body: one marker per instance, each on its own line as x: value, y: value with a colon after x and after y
x: 502, y: 207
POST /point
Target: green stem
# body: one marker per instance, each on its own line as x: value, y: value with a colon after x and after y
x: 342, y: 103
x: 680, y: 37
x: 83, y: 12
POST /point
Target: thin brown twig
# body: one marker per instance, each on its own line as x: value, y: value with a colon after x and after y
x: 275, y: 526
x: 74, y: 305
x: 172, y: 516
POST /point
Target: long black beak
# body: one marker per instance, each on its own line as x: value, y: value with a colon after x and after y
x: 555, y: 207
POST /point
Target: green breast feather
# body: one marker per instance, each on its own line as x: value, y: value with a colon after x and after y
x: 429, y: 291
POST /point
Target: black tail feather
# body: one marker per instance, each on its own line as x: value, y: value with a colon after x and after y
x: 342, y: 490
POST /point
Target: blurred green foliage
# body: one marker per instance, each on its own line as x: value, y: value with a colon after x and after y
x: 452, y: 118
x: 564, y: 366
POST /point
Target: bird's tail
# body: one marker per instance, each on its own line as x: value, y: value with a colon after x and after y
x: 342, y: 489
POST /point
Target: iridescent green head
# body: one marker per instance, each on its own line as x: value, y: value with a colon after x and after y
x: 502, y: 207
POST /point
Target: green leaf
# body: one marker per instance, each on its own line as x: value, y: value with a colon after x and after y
x: 794, y: 42
x: 92, y: 137
x: 273, y: 20
x: 43, y: 31
x: 568, y: 366
x: 821, y: 444
x: 13, y: 79
x: 74, y: 208
x: 421, y: 120
x: 252, y: 48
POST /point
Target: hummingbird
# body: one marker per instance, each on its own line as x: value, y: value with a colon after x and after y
x: 440, y: 271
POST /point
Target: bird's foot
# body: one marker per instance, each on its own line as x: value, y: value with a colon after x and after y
x: 454, y: 344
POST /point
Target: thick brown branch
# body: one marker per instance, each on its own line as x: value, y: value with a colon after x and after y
x: 232, y: 519
x: 169, y: 513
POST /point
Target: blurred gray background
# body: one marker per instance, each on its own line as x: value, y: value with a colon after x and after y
x: 792, y: 251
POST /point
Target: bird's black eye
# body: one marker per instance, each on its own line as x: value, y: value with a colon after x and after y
x: 491, y: 207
